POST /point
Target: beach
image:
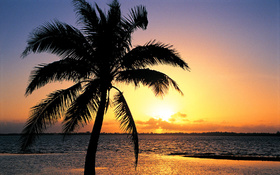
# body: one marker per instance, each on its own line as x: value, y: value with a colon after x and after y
x: 59, y: 164
x: 159, y: 154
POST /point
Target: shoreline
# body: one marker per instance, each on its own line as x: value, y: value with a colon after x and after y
x: 201, y: 156
x: 227, y: 157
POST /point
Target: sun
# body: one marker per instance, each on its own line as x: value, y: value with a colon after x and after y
x: 161, y: 109
x: 162, y: 112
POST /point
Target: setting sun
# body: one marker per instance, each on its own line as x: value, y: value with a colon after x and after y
x: 163, y: 112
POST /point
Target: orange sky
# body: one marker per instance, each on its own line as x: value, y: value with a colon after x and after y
x: 231, y: 47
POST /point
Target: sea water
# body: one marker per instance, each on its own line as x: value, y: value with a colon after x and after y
x: 53, y: 154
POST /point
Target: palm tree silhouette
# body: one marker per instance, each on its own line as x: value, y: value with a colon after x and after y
x: 94, y: 59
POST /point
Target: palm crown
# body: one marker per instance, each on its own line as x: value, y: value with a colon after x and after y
x: 94, y: 58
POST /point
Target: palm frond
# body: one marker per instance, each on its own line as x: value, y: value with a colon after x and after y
x: 114, y: 14
x: 108, y: 102
x: 80, y: 111
x: 47, y: 113
x: 153, y: 53
x: 102, y: 15
x: 58, y: 38
x: 115, y: 32
x: 127, y: 123
x: 137, y: 18
x: 158, y: 81
x: 66, y: 69
x: 86, y: 16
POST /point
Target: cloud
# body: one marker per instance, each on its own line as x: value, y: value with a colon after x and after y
x: 178, y: 117
x: 154, y: 125
x: 200, y: 126
x: 178, y: 114
x: 199, y: 121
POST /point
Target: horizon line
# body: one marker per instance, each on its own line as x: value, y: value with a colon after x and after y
x: 166, y: 133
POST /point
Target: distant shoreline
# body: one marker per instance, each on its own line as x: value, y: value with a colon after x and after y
x: 187, y: 134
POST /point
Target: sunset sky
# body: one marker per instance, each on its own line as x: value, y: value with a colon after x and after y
x: 231, y: 46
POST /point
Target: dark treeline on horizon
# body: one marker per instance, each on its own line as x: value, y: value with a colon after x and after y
x: 177, y: 133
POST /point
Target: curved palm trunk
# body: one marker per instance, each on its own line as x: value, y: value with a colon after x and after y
x: 93, y: 142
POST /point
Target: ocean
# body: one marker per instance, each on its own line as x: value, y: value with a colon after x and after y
x: 159, y: 154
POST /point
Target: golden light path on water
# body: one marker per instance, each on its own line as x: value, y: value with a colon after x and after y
x: 168, y: 165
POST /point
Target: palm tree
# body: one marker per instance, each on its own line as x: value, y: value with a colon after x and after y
x: 94, y: 59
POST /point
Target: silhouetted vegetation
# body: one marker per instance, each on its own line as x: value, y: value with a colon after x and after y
x: 94, y: 58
